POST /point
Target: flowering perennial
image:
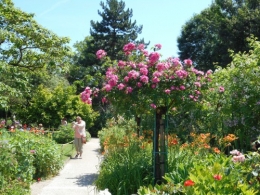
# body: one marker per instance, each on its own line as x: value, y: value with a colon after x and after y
x: 145, y: 74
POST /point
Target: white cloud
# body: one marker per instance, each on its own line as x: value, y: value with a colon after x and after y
x: 53, y: 7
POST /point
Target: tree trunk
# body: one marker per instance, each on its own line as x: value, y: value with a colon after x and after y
x: 159, y: 146
x: 138, y: 124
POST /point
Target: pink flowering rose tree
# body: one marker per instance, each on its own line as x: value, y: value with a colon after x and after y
x: 145, y: 84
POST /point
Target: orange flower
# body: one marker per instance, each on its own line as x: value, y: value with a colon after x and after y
x: 216, y: 150
x: 217, y: 177
x: 230, y: 138
x: 174, y: 142
x: 184, y: 145
x: 206, y: 146
x: 189, y: 183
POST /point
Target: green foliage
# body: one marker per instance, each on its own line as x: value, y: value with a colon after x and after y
x: 237, y: 110
x: 26, y: 157
x: 115, y: 131
x: 50, y: 106
x: 207, y: 37
x: 9, y: 168
x: 46, y: 153
x: 211, y: 174
x: 26, y: 48
x: 126, y: 161
x: 64, y: 134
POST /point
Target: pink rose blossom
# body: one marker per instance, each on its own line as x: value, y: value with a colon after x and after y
x: 121, y: 86
x: 133, y: 74
x: 188, y: 62
x: 104, y: 100
x: 113, y: 80
x: 153, y: 86
x: 132, y: 64
x: 198, y: 84
x: 155, y: 80
x: 176, y: 61
x: 146, y: 53
x: 129, y: 47
x: 129, y: 90
x: 157, y: 74
x: 182, y: 74
x: 108, y: 87
x: 121, y: 63
x: 140, y: 47
x: 158, y: 46
x: 221, y: 89
x: 100, y: 54
x: 144, y: 79
x: 160, y: 66
x: 139, y: 84
x: 197, y: 92
x: 154, y: 57
x: 209, y: 72
x: 167, y: 91
x: 126, y: 79
x: 153, y: 106
x: 144, y: 71
x: 182, y: 87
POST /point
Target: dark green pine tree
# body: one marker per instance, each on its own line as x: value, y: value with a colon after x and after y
x: 116, y: 28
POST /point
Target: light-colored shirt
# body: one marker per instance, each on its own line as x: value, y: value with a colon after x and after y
x: 80, y: 129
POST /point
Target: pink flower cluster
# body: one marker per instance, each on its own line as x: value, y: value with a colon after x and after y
x: 147, y: 71
x: 128, y: 48
x: 101, y: 54
x: 221, y: 89
x: 87, y: 93
x: 237, y: 156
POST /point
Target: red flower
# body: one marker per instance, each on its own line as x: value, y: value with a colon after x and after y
x: 39, y: 179
x: 217, y: 177
x: 189, y: 183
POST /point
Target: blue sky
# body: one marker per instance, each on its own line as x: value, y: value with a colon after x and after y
x: 161, y: 19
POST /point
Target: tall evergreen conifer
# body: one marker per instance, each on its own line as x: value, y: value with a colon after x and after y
x: 116, y: 28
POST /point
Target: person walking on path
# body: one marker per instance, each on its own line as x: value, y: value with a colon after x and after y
x: 80, y: 131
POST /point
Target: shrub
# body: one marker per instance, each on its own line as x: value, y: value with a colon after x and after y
x: 125, y: 169
x: 29, y: 156
x: 127, y: 159
x: 64, y: 134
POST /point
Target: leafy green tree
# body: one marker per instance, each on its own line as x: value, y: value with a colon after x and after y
x: 207, y: 37
x: 26, y: 49
x: 50, y: 106
x: 237, y: 109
